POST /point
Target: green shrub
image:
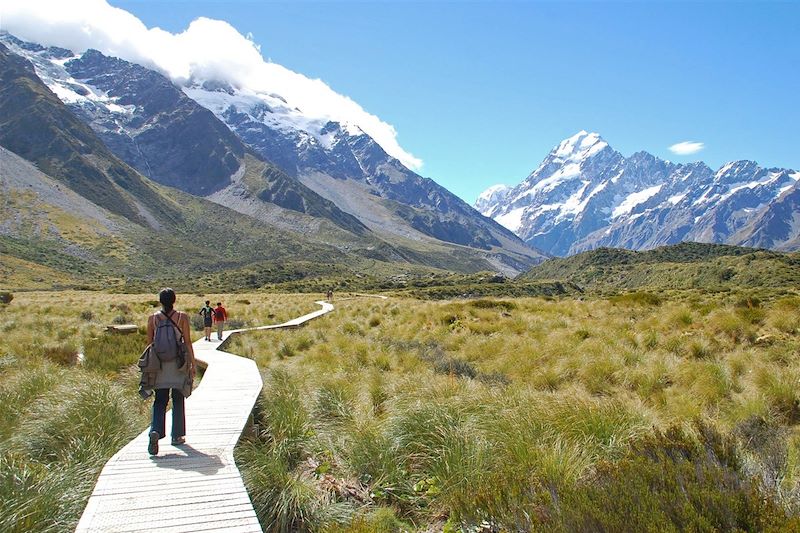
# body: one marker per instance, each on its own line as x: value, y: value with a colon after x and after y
x: 334, y: 400
x: 87, y: 315
x: 381, y: 520
x: 493, y: 304
x: 63, y: 354
x: 583, y: 333
x: 113, y: 353
x: 637, y: 298
x: 284, y: 417
x: 351, y: 328
x: 283, y: 500
x: 650, y: 340
x: 304, y: 343
x: 671, y: 482
x: 700, y: 349
x: 66, y: 426
x: 782, y: 393
x: 285, y: 351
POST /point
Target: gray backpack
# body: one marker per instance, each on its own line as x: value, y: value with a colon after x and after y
x: 166, y: 343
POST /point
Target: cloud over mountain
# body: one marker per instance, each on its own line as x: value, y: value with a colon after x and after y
x: 207, y: 49
x: 686, y: 148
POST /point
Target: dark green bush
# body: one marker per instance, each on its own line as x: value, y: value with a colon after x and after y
x: 637, y: 298
x: 493, y: 304
x: 112, y: 353
x: 6, y: 297
x: 673, y: 482
x: 63, y: 354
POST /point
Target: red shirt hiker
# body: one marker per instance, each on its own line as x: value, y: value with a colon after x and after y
x: 220, y: 316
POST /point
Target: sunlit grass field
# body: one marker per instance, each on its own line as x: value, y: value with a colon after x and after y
x: 628, y: 414
x: 633, y: 413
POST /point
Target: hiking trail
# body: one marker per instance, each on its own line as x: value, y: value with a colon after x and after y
x: 195, y: 486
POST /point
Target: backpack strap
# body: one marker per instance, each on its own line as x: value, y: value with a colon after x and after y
x: 176, y: 326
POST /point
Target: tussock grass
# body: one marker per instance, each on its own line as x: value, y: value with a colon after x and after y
x: 527, y: 414
x: 394, y: 405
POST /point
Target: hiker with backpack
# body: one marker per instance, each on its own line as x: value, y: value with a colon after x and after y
x: 208, y: 318
x: 169, y: 340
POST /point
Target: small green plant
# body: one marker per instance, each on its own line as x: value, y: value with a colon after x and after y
x: 493, y: 304
x: 112, y: 353
x: 285, y: 351
x: 700, y: 349
x: 63, y: 354
x: 87, y: 315
x: 637, y: 298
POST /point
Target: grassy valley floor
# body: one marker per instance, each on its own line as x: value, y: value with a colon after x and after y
x: 627, y: 413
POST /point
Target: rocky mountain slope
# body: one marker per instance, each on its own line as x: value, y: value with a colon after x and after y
x: 254, y: 153
x: 586, y: 195
x: 73, y: 214
x: 343, y: 164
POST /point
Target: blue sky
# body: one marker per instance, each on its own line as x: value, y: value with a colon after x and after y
x: 481, y: 91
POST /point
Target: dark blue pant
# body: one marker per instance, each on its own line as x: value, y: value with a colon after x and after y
x: 160, y: 413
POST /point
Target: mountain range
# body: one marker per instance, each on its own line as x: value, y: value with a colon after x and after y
x: 139, y: 151
x: 586, y: 195
x: 153, y: 164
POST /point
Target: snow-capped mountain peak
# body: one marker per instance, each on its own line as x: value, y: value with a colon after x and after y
x: 585, y: 194
x: 490, y: 197
x: 734, y: 169
x: 579, y: 147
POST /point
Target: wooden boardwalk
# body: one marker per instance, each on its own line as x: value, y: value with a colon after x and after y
x: 197, y: 486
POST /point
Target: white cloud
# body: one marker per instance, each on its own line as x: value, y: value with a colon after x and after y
x: 686, y: 148
x: 207, y: 49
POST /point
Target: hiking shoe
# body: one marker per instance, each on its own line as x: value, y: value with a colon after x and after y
x: 152, y: 447
x: 178, y: 441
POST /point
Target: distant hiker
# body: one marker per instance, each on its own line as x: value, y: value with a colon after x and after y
x: 329, y: 295
x: 208, y: 318
x: 220, y: 316
x: 169, y: 337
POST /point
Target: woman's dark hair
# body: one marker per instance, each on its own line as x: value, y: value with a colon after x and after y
x: 167, y: 298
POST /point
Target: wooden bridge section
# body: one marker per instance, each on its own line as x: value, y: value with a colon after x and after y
x: 194, y: 487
